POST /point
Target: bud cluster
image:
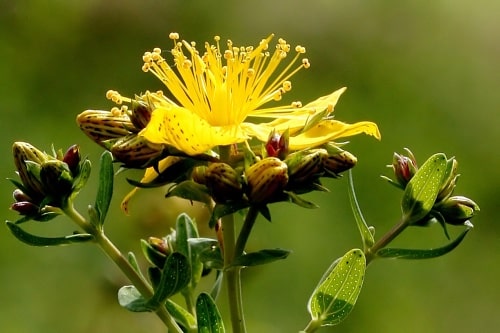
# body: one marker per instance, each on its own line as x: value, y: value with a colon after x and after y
x: 46, y: 180
x: 449, y: 209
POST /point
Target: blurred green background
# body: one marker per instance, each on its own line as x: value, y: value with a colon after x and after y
x: 426, y: 72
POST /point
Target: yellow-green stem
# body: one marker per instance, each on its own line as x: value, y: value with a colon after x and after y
x: 385, y: 240
x: 232, y: 276
x: 116, y: 256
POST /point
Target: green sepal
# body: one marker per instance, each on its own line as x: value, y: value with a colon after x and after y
x: 131, y: 299
x: 221, y: 210
x: 176, y: 275
x: 105, y: 189
x: 181, y: 315
x: 314, y: 120
x: 394, y: 253
x: 34, y: 240
x: 175, y: 173
x: 336, y: 295
x: 83, y: 176
x: 264, y: 211
x: 190, y: 190
x: 364, y: 230
x: 208, y: 316
x: 296, y: 199
x: 423, y: 189
x: 260, y: 257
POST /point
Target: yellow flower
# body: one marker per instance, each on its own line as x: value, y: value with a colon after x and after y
x: 218, y: 98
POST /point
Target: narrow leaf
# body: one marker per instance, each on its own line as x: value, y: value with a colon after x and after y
x: 105, y: 189
x: 190, y: 190
x: 422, y: 190
x: 34, y: 240
x: 181, y: 315
x: 131, y: 299
x: 422, y: 253
x: 334, y: 298
x: 208, y: 316
x: 176, y: 274
x: 260, y: 257
x: 296, y: 199
x: 221, y: 210
x: 366, y: 235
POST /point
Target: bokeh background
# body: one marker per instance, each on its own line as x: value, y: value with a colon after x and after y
x: 426, y: 72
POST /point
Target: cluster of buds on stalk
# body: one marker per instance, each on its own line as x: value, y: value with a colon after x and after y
x: 117, y: 131
x: 273, y: 175
x: 47, y: 181
x: 454, y: 210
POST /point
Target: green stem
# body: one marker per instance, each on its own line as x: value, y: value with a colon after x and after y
x: 312, y: 326
x: 248, y: 224
x: 114, y: 254
x: 385, y: 240
x: 232, y: 275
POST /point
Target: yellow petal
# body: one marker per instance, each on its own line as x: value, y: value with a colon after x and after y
x: 330, y: 130
x: 188, y: 132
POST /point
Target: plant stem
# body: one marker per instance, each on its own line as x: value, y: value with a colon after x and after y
x: 232, y: 276
x: 116, y: 256
x: 248, y: 224
x: 386, y: 239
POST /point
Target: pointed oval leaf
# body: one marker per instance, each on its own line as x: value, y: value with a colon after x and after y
x: 176, y: 274
x: 190, y: 190
x: 208, y: 316
x: 83, y: 176
x: 364, y: 230
x: 221, y: 210
x: 334, y: 298
x: 260, y: 257
x: 181, y: 315
x: 34, y: 240
x: 131, y: 299
x: 105, y: 189
x: 422, y: 253
x: 423, y: 189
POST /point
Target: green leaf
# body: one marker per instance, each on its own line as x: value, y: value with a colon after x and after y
x: 181, y: 315
x: 208, y: 316
x: 260, y: 257
x: 422, y: 190
x: 334, y: 298
x: 294, y: 198
x: 34, y: 240
x: 421, y: 253
x: 132, y: 260
x: 366, y: 234
x: 186, y: 229
x: 105, y: 189
x: 190, y: 190
x: 221, y: 210
x: 83, y: 176
x: 131, y: 299
x: 176, y: 274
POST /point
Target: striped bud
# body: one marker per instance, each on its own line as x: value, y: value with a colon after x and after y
x: 135, y: 151
x: 140, y: 115
x: 223, y: 182
x: 457, y: 209
x: 104, y: 125
x: 27, y: 159
x: 266, y: 179
x: 339, y: 162
x: 304, y: 166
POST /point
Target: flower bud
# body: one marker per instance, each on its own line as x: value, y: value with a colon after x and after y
x: 223, y: 182
x: 277, y: 145
x: 72, y: 158
x: 457, y: 209
x: 305, y: 166
x: 19, y: 196
x: 339, y: 162
x: 404, y: 168
x: 25, y: 208
x: 198, y: 174
x: 449, y: 182
x: 104, y: 125
x: 266, y: 180
x: 56, y: 178
x: 135, y: 151
x: 140, y: 115
x: 27, y: 159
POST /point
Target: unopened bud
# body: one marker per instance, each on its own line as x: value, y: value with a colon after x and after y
x: 19, y: 195
x: 223, y: 182
x: 405, y: 167
x: 27, y: 159
x: 56, y: 178
x: 135, y: 151
x: 104, y: 125
x: 198, y: 174
x: 140, y: 115
x: 72, y: 158
x: 266, y: 179
x: 304, y: 166
x: 339, y: 162
x: 277, y: 145
x: 457, y: 209
x: 25, y: 208
x: 450, y: 180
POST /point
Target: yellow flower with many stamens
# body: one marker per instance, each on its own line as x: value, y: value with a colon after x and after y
x: 218, y: 98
